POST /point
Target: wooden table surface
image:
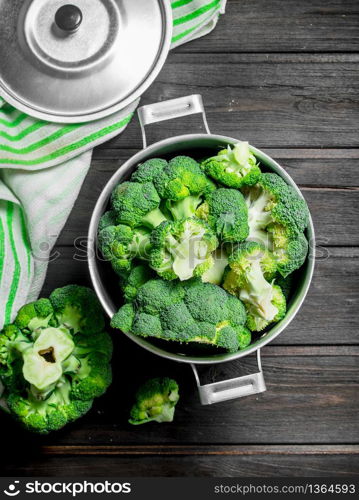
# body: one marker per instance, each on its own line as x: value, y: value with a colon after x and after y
x: 282, y: 74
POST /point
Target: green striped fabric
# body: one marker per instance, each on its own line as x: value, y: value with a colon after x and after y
x: 42, y: 168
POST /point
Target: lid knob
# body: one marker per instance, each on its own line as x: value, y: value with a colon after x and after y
x: 68, y: 18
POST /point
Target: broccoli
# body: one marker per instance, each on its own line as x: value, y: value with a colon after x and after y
x: 121, y: 244
x: 234, y: 168
x: 155, y: 401
x: 130, y: 282
x: 53, y: 371
x: 182, y: 249
x: 226, y: 212
x: 277, y: 218
x: 137, y: 204
x: 107, y: 219
x: 215, y: 273
x: 252, y: 269
x: 149, y: 170
x: 190, y: 312
x: 182, y: 177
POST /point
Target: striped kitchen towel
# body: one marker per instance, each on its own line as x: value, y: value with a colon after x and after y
x: 43, y: 165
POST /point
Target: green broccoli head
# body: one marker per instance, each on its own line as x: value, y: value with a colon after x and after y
x: 132, y: 281
x: 272, y: 201
x: 53, y: 373
x: 121, y: 244
x: 289, y: 251
x: 156, y: 295
x: 155, y: 401
x: 233, y: 167
x: 182, y: 177
x: 226, y: 212
x: 107, y: 219
x: 77, y: 308
x: 252, y: 268
x: 34, y: 315
x: 182, y: 249
x: 137, y: 204
x: 149, y: 170
x: 191, y: 312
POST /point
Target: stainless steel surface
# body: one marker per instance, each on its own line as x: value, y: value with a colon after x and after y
x: 168, y: 110
x: 185, y: 144
x: 114, y: 55
x: 232, y: 388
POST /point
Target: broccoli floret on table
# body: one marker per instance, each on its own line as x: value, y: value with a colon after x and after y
x: 233, y: 167
x: 155, y: 401
x: 53, y: 370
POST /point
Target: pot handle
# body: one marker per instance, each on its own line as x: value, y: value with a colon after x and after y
x: 167, y: 110
x: 232, y: 388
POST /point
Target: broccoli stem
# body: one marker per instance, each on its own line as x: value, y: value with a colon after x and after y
x: 153, y: 218
x: 259, y: 292
x: 185, y: 208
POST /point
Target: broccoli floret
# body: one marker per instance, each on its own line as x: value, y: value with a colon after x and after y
x: 107, y: 219
x: 226, y: 212
x: 182, y: 249
x: 185, y: 208
x: 137, y: 204
x: 285, y: 284
x: 277, y: 218
x: 124, y: 317
x: 146, y: 325
x: 121, y: 244
x: 251, y: 268
x: 52, y: 373
x: 290, y: 251
x: 51, y: 414
x: 34, y: 315
x: 157, y: 294
x: 215, y: 274
x: 132, y: 281
x: 77, y: 308
x: 149, y: 170
x: 235, y: 167
x: 182, y: 177
x: 155, y: 401
x: 188, y: 312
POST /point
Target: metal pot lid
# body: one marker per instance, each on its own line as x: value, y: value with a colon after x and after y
x: 81, y: 61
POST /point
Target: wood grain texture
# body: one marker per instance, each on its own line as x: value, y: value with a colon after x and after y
x: 271, y: 100
x: 289, y: 26
x: 256, y: 465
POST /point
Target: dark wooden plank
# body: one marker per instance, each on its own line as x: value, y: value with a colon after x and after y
x: 329, y: 315
x: 251, y: 465
x: 290, y: 26
x: 272, y: 100
x: 310, y: 399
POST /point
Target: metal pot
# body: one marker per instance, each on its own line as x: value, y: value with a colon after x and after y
x: 185, y: 144
x: 78, y: 62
